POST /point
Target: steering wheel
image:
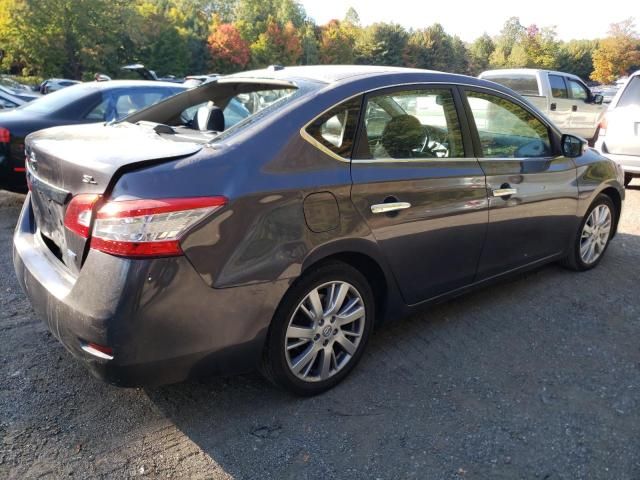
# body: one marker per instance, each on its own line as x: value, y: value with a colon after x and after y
x: 433, y: 147
x: 534, y: 148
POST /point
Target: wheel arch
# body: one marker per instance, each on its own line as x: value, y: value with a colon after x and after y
x: 616, y: 198
x: 364, y: 256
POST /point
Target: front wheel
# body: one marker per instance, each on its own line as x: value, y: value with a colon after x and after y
x: 320, y: 330
x: 593, y: 236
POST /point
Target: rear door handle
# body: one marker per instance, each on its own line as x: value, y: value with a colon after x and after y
x: 389, y: 207
x: 574, y: 108
x: 552, y: 107
x: 504, y: 192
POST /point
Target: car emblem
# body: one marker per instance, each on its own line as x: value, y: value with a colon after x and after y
x: 89, y: 179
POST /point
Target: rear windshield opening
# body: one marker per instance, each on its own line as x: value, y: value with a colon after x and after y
x: 631, y: 95
x: 217, y: 109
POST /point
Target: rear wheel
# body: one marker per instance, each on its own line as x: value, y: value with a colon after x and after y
x: 320, y: 330
x: 592, y: 238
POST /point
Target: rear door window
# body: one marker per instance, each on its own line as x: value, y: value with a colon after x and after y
x: 558, y: 86
x: 413, y: 124
x: 631, y: 94
x: 335, y: 130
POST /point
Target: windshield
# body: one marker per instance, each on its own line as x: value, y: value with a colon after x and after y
x: 57, y: 100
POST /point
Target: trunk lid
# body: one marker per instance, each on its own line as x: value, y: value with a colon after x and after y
x: 66, y: 161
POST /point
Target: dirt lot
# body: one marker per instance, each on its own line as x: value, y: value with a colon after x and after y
x: 535, y: 378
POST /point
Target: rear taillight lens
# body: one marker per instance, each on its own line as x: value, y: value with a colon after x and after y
x: 141, y: 228
x: 77, y: 218
x: 5, y: 135
x: 603, y: 126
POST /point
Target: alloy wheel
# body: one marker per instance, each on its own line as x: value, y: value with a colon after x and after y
x: 324, y: 331
x: 595, y: 234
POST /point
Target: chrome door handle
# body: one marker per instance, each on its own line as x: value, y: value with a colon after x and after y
x: 389, y: 207
x: 504, y: 192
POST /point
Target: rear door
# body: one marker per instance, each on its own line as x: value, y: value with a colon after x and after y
x: 418, y: 187
x: 560, y: 104
x: 532, y: 191
x: 585, y: 115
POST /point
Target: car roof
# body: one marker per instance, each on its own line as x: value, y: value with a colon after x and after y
x: 327, y: 73
x: 527, y: 71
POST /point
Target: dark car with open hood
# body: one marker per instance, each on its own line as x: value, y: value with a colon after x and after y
x: 178, y: 243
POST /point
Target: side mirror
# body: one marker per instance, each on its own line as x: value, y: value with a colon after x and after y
x: 573, y: 146
x: 598, y: 99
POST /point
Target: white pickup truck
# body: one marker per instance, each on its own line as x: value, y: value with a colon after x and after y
x: 563, y: 97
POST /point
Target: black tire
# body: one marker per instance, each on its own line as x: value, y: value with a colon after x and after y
x: 573, y: 260
x: 627, y: 179
x: 275, y: 365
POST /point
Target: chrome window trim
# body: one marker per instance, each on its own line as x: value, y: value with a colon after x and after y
x: 306, y: 136
x: 416, y: 160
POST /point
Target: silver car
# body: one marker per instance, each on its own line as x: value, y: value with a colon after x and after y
x: 619, y: 135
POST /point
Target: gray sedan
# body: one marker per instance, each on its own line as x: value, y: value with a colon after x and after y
x: 171, y: 244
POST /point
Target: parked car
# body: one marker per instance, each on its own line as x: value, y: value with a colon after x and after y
x: 9, y: 100
x: 24, y: 95
x: 619, y: 135
x: 361, y: 194
x: 84, y: 103
x: 54, y: 84
x: 562, y: 97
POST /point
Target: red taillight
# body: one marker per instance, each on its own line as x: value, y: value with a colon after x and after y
x: 78, y: 215
x: 143, y: 228
x: 5, y: 135
x: 603, y: 125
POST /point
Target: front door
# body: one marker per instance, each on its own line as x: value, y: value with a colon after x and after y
x: 532, y: 191
x: 559, y: 103
x: 422, y: 197
x: 585, y: 115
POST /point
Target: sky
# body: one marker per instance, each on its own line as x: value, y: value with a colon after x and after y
x: 471, y: 18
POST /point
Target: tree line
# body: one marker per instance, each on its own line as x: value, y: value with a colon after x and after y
x: 78, y: 38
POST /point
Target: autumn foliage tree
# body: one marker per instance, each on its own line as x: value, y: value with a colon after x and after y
x: 616, y: 54
x: 229, y: 52
x: 336, y: 43
x: 276, y: 45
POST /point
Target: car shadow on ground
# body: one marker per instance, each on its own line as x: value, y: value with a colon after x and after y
x: 505, y: 381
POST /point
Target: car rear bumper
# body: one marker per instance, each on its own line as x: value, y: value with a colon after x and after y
x: 629, y: 163
x: 162, y: 321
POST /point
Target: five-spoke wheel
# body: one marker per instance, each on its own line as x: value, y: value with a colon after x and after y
x: 593, y: 235
x: 320, y: 330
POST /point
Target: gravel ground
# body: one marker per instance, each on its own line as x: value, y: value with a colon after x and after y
x: 535, y: 378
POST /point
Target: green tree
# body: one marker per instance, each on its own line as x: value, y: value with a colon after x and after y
x: 381, y: 44
x: 434, y: 49
x: 309, y: 41
x: 479, y: 54
x: 510, y: 35
x: 576, y: 56
x: 253, y: 16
